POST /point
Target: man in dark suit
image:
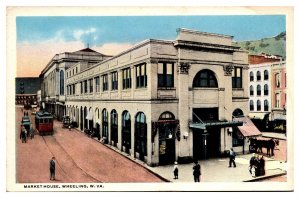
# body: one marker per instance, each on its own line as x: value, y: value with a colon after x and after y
x: 232, y: 158
x: 197, y: 171
x: 52, y: 168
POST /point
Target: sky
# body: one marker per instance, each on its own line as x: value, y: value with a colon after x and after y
x: 40, y: 38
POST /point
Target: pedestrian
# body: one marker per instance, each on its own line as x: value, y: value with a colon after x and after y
x: 232, y: 158
x: 261, y: 166
x: 175, y: 170
x: 25, y: 135
x: 52, y: 168
x: 22, y: 134
x: 252, y: 164
x: 69, y: 127
x: 197, y: 171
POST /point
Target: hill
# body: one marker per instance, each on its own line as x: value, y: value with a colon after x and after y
x: 274, y: 45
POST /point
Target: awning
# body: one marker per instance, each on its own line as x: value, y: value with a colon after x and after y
x: 248, y: 129
x: 221, y: 124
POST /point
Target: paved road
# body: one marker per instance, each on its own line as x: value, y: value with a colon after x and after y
x: 78, y: 159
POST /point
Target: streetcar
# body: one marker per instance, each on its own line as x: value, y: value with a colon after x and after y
x: 44, y: 123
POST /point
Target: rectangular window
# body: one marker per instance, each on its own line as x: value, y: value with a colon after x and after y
x: 91, y: 85
x: 105, y: 82
x: 237, y: 79
x: 127, y: 78
x: 85, y: 86
x: 165, y: 75
x: 81, y: 88
x: 141, y: 76
x: 97, y: 84
x: 114, y: 81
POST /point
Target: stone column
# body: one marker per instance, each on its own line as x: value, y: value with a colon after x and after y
x: 183, y: 149
x: 132, y: 135
x: 119, y: 144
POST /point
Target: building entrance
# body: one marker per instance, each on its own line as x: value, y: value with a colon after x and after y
x: 206, y: 142
x: 167, y: 138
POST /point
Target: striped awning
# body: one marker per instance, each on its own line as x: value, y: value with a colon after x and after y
x: 248, y: 129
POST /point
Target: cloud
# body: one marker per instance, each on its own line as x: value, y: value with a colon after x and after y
x: 113, y: 48
x: 80, y: 34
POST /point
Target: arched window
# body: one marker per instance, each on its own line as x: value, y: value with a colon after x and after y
x: 167, y: 131
x: 251, y: 105
x: 140, y: 135
x: 266, y: 75
x: 105, y: 125
x: 237, y: 113
x: 258, y: 105
x: 81, y: 118
x: 251, y: 90
x: 85, y: 111
x: 61, y: 82
x: 114, y: 126
x: 258, y: 76
x: 251, y: 76
x: 205, y: 78
x: 266, y: 105
x: 266, y: 90
x: 258, y: 90
x: 126, y: 131
x: 167, y: 116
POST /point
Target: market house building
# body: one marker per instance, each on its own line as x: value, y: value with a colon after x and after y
x: 162, y: 101
x: 53, y: 94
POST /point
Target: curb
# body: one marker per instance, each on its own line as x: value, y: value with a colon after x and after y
x: 264, y: 177
x: 128, y: 157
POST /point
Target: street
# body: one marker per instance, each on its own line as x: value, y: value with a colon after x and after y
x: 78, y: 159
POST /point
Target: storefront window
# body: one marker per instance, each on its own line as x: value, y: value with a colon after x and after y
x: 141, y: 135
x: 126, y: 131
x: 114, y: 126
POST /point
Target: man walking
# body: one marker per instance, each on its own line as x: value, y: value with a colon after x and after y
x: 232, y: 158
x: 52, y: 168
x: 197, y: 171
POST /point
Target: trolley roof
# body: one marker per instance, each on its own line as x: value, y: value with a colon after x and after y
x: 42, y: 114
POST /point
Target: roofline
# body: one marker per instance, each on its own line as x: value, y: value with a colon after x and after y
x: 136, y: 46
x: 204, y: 33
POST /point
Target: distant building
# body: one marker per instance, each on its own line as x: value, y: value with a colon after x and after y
x: 260, y: 95
x: 53, y: 90
x: 26, y: 90
x: 267, y: 88
x: 279, y: 91
x: 263, y: 58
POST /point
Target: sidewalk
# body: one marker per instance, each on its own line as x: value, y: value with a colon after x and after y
x: 217, y: 170
x: 214, y: 170
x: 281, y: 136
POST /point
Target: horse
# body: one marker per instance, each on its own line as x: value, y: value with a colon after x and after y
x: 257, y: 145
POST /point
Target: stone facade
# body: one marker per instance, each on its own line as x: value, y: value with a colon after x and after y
x: 53, y: 77
x: 199, y: 77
